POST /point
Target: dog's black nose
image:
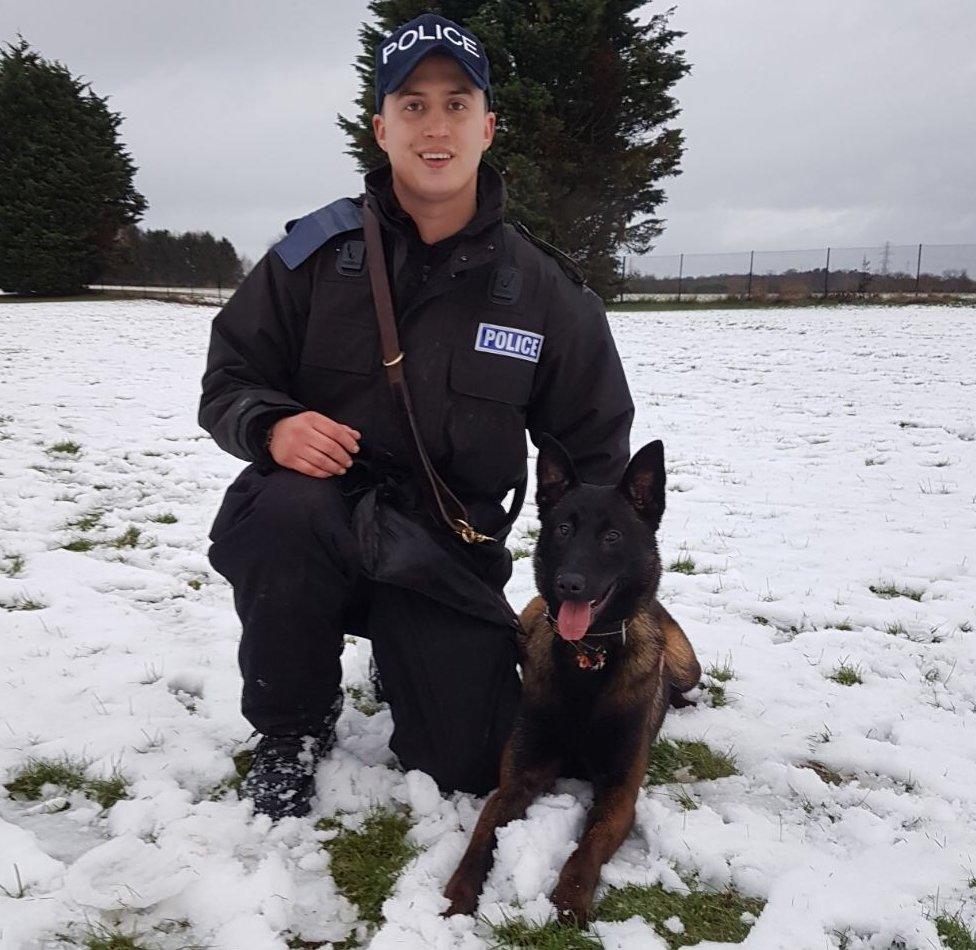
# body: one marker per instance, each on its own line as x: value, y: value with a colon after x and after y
x: 570, y: 584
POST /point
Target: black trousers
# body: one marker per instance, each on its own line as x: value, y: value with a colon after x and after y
x: 283, y: 541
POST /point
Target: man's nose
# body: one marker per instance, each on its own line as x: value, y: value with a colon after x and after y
x: 436, y: 128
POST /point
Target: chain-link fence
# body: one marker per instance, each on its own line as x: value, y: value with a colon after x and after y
x: 895, y: 269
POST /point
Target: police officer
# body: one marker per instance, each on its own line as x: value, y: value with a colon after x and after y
x: 326, y: 532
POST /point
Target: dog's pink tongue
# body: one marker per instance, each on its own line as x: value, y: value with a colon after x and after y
x: 574, y: 620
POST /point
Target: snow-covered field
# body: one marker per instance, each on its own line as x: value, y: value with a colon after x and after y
x: 812, y: 454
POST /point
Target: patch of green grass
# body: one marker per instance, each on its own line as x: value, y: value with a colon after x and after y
x: 79, y: 544
x: 100, y: 937
x: 367, y: 862
x: 66, y: 773
x: 548, y: 936
x: 520, y: 552
x: 22, y: 603
x: 717, y: 693
x: 683, y: 797
x: 954, y: 934
x: 127, y: 540
x: 242, y: 763
x: 195, y: 583
x: 65, y: 448
x: 723, y: 673
x: 107, y: 791
x: 86, y: 522
x: 706, y: 916
x: 683, y: 565
x: 14, y: 567
x: 844, y: 625
x: 826, y: 773
x: 363, y: 699
x: 703, y: 763
x: 846, y: 675
x: 889, y: 589
x: 69, y: 774
x: 896, y: 629
x: 167, y: 517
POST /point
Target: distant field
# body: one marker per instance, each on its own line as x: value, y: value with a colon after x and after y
x: 819, y: 549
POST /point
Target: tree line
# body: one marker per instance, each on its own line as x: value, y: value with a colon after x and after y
x: 584, y: 137
x: 162, y: 259
x: 793, y: 283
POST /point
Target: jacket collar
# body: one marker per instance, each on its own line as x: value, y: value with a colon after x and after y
x: 491, y: 196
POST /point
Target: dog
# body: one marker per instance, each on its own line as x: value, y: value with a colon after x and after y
x: 601, y: 659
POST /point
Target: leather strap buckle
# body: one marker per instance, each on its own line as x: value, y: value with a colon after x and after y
x: 469, y: 534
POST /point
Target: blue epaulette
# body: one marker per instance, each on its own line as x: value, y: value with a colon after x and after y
x: 306, y: 235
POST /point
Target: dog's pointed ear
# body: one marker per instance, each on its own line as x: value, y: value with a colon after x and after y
x: 555, y: 473
x: 643, y: 483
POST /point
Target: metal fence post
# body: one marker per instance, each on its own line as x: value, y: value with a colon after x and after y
x: 752, y: 254
x: 918, y: 271
x: 681, y: 270
x: 826, y: 273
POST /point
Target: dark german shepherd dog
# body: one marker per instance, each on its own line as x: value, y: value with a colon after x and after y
x: 601, y: 658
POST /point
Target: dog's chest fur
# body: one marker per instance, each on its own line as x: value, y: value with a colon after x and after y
x: 584, y: 713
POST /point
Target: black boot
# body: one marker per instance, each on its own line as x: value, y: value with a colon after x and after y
x: 281, y: 779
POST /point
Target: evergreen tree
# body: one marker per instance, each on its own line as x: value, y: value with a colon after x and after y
x: 66, y: 182
x: 161, y: 259
x: 582, y: 94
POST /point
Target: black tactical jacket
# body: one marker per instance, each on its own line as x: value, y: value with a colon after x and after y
x: 300, y: 333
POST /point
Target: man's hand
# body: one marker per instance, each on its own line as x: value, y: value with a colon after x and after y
x: 313, y: 444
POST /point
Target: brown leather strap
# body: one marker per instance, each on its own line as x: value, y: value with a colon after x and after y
x: 442, y: 502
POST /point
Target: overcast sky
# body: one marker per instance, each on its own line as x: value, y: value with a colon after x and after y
x: 841, y: 122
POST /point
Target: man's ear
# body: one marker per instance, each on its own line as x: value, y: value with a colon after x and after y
x: 555, y: 474
x: 379, y: 131
x: 489, y: 136
x: 643, y: 483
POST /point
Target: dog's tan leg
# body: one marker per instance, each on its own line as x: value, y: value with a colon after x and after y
x: 684, y: 670
x: 607, y: 825
x: 516, y: 792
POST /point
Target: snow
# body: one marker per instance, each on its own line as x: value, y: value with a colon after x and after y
x: 811, y: 454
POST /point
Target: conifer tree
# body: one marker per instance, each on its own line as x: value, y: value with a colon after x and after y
x: 66, y: 182
x: 583, y: 97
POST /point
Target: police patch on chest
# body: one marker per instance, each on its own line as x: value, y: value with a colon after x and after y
x: 507, y: 341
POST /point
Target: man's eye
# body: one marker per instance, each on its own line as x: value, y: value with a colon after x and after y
x: 612, y: 537
x: 457, y: 102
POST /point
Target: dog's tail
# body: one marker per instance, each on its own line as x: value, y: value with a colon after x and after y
x: 680, y: 662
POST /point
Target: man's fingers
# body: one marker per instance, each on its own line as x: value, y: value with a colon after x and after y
x: 309, y: 467
x: 343, y: 434
x: 322, y: 460
x: 323, y: 445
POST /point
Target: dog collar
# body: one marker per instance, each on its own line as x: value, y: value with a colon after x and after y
x: 589, y: 658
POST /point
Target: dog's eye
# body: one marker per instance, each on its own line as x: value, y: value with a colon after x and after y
x: 563, y: 528
x: 612, y: 537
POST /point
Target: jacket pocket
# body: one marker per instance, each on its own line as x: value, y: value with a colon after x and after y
x: 342, y: 343
x: 486, y: 421
x: 492, y: 376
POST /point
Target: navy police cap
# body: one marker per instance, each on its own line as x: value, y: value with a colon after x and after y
x: 399, y: 53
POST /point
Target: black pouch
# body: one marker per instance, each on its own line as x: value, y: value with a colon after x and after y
x: 403, y: 548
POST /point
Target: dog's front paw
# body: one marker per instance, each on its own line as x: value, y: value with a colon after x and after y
x: 572, y: 899
x: 463, y: 897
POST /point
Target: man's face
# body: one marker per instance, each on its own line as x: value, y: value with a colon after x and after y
x: 436, y: 110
